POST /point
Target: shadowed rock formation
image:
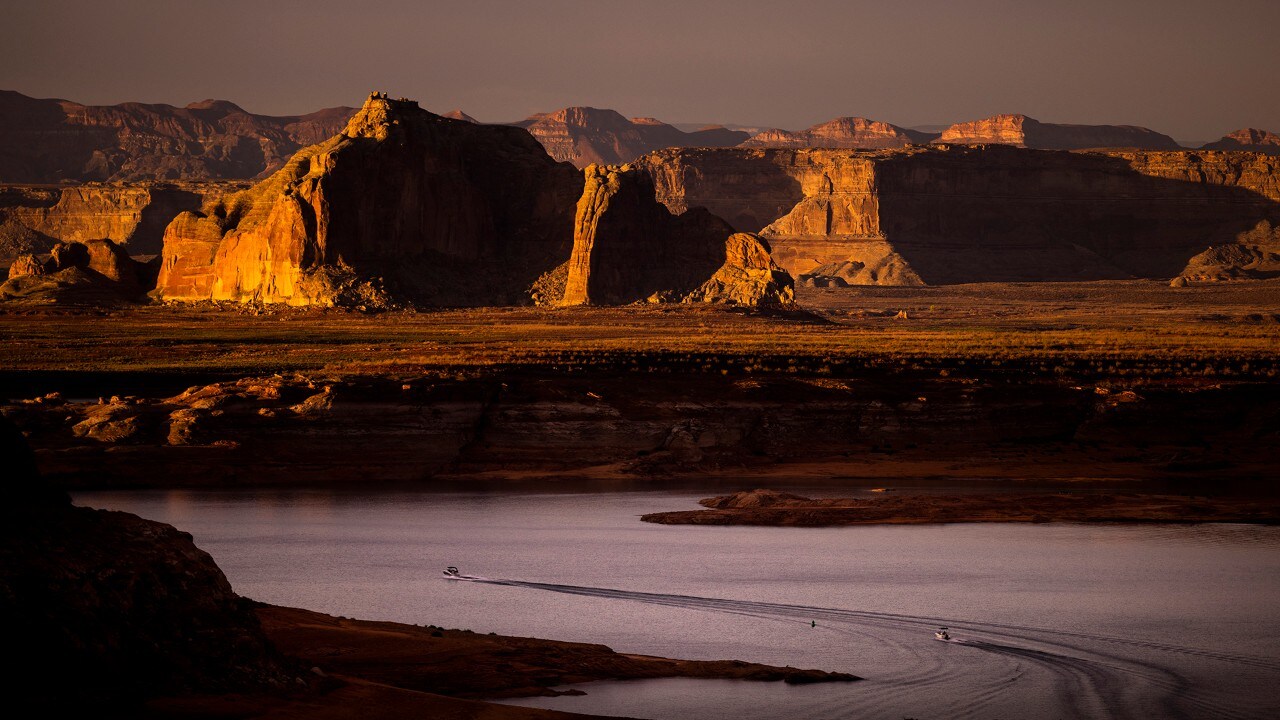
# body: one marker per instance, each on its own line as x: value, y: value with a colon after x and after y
x: 971, y: 214
x: 585, y: 136
x: 1255, y: 254
x: 108, y: 608
x: 845, y: 132
x: 1022, y: 131
x: 1250, y: 139
x: 47, y: 141
x: 627, y: 247
x: 402, y: 203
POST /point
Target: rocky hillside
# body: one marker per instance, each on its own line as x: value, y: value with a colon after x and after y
x: 1022, y: 131
x: 966, y: 214
x: 586, y: 135
x: 407, y: 206
x: 845, y: 132
x: 1250, y: 139
x: 46, y: 141
x: 109, y: 608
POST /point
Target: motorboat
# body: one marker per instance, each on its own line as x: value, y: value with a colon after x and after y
x: 451, y: 573
x: 942, y: 635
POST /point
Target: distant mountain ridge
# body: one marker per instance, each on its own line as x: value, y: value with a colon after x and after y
x: 50, y: 140
x: 1263, y: 141
x: 587, y: 135
x: 844, y: 132
x: 1023, y: 131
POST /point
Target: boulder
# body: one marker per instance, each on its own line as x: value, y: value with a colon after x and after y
x: 26, y: 265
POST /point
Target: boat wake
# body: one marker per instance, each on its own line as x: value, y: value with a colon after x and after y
x: 1093, y: 675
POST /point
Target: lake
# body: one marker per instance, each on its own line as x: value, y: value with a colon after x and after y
x: 1049, y: 621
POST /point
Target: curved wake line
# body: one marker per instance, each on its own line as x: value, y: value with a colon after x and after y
x: 1093, y: 686
x: 727, y: 604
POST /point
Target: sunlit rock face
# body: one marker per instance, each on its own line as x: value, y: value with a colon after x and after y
x: 845, y: 132
x: 586, y: 135
x: 628, y: 248
x: 949, y: 214
x: 1022, y: 131
x: 402, y: 203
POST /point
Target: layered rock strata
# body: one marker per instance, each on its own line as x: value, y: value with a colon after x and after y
x: 46, y: 141
x: 627, y: 247
x: 586, y: 136
x: 845, y: 132
x: 1022, y: 131
x: 34, y: 218
x: 971, y: 214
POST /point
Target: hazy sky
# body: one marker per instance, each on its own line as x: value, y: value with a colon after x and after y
x: 1194, y: 70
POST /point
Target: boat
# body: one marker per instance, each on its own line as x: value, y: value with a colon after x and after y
x: 942, y: 634
x: 451, y: 573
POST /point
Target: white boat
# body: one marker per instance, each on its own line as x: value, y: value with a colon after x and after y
x: 451, y: 573
x: 942, y: 635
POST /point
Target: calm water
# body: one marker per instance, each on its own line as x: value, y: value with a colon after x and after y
x: 1055, y: 621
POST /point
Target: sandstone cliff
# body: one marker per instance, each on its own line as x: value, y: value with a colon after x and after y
x: 585, y: 136
x: 1022, y: 131
x: 845, y: 132
x: 970, y: 214
x: 44, y: 141
x: 402, y: 203
x: 33, y: 218
x: 1250, y: 139
x: 627, y: 247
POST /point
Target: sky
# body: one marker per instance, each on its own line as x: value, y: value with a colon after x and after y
x: 1193, y: 70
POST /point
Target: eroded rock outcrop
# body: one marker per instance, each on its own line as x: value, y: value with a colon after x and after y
x: 845, y: 132
x: 627, y: 248
x: 46, y: 141
x: 1250, y: 139
x: 402, y: 203
x: 1022, y: 131
x: 1255, y: 254
x: 91, y: 272
x: 585, y: 136
x: 969, y: 214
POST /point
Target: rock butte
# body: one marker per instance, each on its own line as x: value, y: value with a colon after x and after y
x: 953, y: 214
x: 405, y: 205
x: 1022, y: 131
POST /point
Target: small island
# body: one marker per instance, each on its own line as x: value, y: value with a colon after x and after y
x: 771, y: 507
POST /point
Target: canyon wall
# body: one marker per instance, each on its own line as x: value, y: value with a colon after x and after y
x: 34, y: 218
x: 969, y: 214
